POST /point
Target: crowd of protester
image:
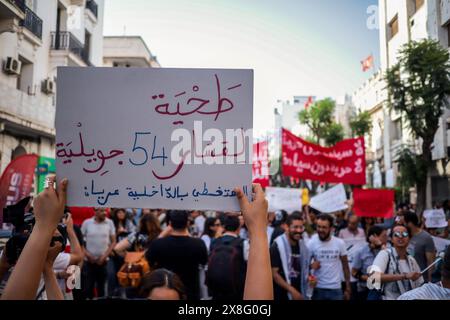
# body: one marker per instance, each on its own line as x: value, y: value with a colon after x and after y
x: 252, y: 254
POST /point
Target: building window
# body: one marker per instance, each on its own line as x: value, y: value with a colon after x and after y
x: 448, y: 34
x: 18, y: 151
x: 393, y: 27
x: 396, y: 133
x: 25, y: 79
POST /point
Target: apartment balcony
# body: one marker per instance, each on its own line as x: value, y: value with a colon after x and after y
x: 32, y: 23
x: 25, y: 114
x: 65, y: 45
x: 92, y: 6
x: 11, y: 13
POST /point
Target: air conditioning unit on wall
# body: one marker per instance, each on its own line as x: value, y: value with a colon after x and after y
x: 12, y: 66
x: 48, y: 86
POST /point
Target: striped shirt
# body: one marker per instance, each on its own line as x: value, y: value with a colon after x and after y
x: 429, y: 291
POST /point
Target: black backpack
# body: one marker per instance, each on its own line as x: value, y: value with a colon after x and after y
x: 225, y: 276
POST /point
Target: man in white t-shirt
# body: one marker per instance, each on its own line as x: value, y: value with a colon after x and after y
x: 354, y: 239
x: 199, y: 222
x: 100, y: 238
x: 329, y: 258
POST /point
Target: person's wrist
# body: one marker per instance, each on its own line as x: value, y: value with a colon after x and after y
x: 44, y: 228
x: 48, y: 267
x: 256, y: 233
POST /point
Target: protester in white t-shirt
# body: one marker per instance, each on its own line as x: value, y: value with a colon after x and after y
x: 354, y: 238
x: 100, y: 237
x: 199, y: 222
x: 329, y: 258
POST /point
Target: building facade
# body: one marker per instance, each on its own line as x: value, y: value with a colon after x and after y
x: 402, y: 21
x: 127, y: 51
x: 288, y: 118
x: 37, y: 37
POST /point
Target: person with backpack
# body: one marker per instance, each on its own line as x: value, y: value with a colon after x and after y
x: 290, y: 261
x: 398, y: 272
x: 130, y: 253
x: 227, y: 267
x: 179, y: 253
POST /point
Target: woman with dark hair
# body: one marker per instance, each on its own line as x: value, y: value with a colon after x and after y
x: 123, y: 223
x: 149, y: 230
x: 212, y: 230
x: 162, y: 284
x: 367, y: 223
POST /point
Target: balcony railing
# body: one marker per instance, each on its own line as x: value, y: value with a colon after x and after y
x: 92, y: 6
x: 64, y: 40
x: 32, y: 22
x: 19, y: 4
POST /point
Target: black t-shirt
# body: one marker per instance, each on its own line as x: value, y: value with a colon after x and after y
x: 294, y: 269
x: 181, y: 255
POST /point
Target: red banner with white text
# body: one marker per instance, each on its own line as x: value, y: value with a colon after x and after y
x: 16, y: 182
x: 260, y: 164
x: 343, y: 163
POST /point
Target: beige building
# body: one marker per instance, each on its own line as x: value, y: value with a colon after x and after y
x: 36, y: 37
x: 127, y: 51
x: 402, y: 21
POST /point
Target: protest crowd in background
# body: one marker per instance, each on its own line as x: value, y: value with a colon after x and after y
x: 170, y: 254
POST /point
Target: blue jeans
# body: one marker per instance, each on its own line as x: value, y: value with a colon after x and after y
x: 327, y: 294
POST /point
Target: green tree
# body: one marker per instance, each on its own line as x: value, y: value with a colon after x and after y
x: 418, y: 87
x: 361, y: 124
x: 319, y: 118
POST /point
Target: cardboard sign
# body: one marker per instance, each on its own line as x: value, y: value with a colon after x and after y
x: 332, y: 200
x: 154, y: 138
x: 435, y: 219
x: 284, y: 199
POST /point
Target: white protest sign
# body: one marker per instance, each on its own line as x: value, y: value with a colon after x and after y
x: 435, y: 218
x: 331, y: 200
x: 440, y: 244
x: 154, y: 138
x: 284, y: 199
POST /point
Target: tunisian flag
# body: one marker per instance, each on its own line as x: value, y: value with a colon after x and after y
x: 376, y: 203
x: 260, y: 166
x: 16, y: 182
x: 343, y: 163
x: 367, y: 63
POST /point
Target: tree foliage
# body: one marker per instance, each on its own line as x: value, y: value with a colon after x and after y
x: 319, y: 118
x: 361, y: 124
x: 418, y: 87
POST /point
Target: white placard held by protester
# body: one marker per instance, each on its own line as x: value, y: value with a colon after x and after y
x: 154, y: 138
x: 284, y: 199
x: 331, y: 200
x: 435, y: 219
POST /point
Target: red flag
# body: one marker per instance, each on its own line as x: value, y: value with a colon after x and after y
x: 367, y: 63
x: 373, y: 203
x: 345, y: 162
x: 260, y: 164
x: 16, y: 182
x: 309, y: 102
